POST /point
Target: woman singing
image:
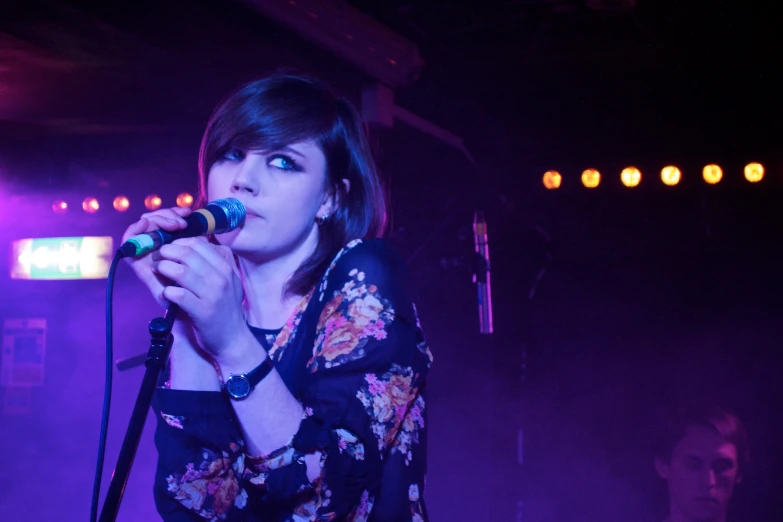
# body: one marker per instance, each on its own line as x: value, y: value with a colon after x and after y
x: 294, y: 389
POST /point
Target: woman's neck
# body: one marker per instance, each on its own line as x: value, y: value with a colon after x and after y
x: 267, y: 303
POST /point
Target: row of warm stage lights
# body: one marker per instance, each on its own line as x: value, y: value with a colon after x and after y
x: 591, y: 178
x: 121, y: 203
x: 670, y: 175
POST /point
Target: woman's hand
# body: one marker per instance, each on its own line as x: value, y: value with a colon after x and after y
x: 210, y: 290
x: 169, y: 219
x: 191, y: 368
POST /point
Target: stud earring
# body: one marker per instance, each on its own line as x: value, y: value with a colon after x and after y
x: 322, y: 219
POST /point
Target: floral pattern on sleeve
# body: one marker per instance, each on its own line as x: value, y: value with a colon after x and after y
x: 210, y: 488
x: 408, y: 434
x: 288, y: 332
x: 349, y: 443
x: 363, y: 510
x: 386, y: 400
x: 349, y: 321
x: 175, y: 421
x: 417, y: 511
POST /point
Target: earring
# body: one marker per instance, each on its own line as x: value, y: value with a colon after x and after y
x: 322, y: 219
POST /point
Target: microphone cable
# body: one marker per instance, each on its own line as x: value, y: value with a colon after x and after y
x: 96, y: 488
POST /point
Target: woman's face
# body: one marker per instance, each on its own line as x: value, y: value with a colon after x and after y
x: 283, y: 190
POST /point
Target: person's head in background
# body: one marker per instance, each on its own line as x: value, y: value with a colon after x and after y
x: 702, y: 454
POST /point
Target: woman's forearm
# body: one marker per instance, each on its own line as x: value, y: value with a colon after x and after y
x: 270, y: 415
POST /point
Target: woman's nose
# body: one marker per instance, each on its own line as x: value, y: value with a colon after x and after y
x: 246, y: 178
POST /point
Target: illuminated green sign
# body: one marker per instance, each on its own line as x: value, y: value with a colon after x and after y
x: 86, y: 257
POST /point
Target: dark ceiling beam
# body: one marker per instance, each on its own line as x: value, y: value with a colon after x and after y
x: 349, y: 33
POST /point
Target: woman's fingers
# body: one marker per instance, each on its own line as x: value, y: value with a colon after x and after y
x: 181, y: 297
x: 219, y: 258
x: 165, y: 222
x: 195, y: 265
x: 136, y: 228
x: 169, y: 219
x: 173, y: 212
x: 209, y: 289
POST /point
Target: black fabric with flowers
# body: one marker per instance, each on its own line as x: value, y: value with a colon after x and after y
x: 354, y: 355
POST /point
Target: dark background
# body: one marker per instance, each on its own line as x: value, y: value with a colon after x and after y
x: 647, y: 294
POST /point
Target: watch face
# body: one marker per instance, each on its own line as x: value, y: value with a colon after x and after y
x: 238, y: 386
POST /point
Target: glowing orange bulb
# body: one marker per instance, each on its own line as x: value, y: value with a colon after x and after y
x: 631, y: 176
x: 121, y: 203
x: 90, y: 205
x: 152, y: 202
x: 552, y: 179
x: 712, y: 174
x: 754, y: 172
x: 671, y: 175
x: 59, y: 207
x: 184, y: 200
x: 591, y: 178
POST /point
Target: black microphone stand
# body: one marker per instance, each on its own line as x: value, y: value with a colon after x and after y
x: 160, y: 347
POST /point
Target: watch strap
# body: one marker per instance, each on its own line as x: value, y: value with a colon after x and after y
x: 258, y: 373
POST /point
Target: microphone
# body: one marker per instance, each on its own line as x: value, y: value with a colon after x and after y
x: 219, y: 216
x: 481, y: 274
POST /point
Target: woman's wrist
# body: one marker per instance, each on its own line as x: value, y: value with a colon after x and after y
x: 241, y: 356
x: 192, y: 370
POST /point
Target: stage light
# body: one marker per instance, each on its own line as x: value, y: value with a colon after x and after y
x: 754, y: 172
x: 631, y: 176
x: 184, y: 200
x: 552, y: 179
x: 671, y: 175
x: 152, y: 202
x: 591, y: 178
x: 121, y: 203
x: 61, y: 258
x: 712, y: 174
x: 59, y: 207
x: 90, y: 205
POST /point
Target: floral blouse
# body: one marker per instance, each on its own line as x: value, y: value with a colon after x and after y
x: 354, y: 355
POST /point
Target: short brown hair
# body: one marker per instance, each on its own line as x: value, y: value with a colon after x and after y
x: 707, y: 415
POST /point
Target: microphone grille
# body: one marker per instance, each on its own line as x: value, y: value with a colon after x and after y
x: 234, y: 211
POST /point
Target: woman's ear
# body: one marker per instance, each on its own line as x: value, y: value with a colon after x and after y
x: 336, y: 196
x: 346, y: 184
x: 332, y: 200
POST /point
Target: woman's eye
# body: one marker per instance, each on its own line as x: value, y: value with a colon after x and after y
x: 233, y: 155
x: 281, y: 162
